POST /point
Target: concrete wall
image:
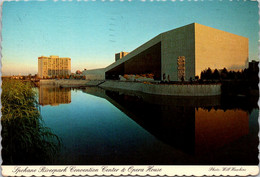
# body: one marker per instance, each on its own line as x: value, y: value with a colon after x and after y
x: 62, y: 81
x: 48, y: 82
x: 218, y: 49
x: 175, y: 43
x: 201, y: 46
x: 159, y: 89
x: 94, y: 74
x: 69, y: 82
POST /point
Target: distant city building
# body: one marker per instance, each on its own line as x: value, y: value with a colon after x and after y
x: 253, y: 66
x: 53, y: 66
x: 183, y: 53
x: 120, y: 55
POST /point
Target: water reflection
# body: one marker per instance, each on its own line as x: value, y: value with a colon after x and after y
x: 50, y: 95
x: 215, y: 128
x: 206, y: 128
x: 122, y: 127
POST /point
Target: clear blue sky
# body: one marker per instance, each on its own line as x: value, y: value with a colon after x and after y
x: 92, y: 32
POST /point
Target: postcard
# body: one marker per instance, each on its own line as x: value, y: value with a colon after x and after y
x: 130, y: 87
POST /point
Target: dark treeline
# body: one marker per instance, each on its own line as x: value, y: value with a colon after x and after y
x: 223, y: 74
x: 78, y: 77
x: 234, y: 82
x: 35, y: 77
x: 233, y: 102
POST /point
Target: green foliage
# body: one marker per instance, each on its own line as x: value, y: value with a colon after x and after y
x: 223, y: 74
x: 25, y: 139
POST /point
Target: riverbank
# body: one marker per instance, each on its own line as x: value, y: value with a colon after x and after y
x: 145, y: 87
x: 166, y: 89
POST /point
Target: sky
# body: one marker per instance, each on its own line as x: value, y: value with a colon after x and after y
x: 91, y: 32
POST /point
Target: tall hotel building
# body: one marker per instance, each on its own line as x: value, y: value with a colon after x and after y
x: 53, y: 66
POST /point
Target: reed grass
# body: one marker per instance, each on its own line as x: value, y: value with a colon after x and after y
x: 25, y: 139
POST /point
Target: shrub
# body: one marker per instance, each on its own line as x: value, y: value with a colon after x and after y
x: 25, y: 140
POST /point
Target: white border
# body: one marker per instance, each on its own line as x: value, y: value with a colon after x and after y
x: 137, y: 170
x: 140, y: 170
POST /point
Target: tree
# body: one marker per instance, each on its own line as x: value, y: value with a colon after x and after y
x: 208, y: 74
x: 36, y: 76
x: 224, y: 73
x: 29, y: 76
x: 78, y: 72
x: 216, y: 75
x: 202, y: 75
x: 231, y: 75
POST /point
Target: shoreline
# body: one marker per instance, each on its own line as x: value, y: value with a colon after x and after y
x: 70, y: 82
x: 166, y: 89
x: 145, y: 87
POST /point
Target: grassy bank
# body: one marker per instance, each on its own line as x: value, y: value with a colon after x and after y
x: 25, y: 139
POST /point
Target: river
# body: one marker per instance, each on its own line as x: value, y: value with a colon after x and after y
x: 100, y: 126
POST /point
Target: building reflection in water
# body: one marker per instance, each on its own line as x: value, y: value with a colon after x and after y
x: 194, y: 125
x: 215, y: 128
x: 54, y: 95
